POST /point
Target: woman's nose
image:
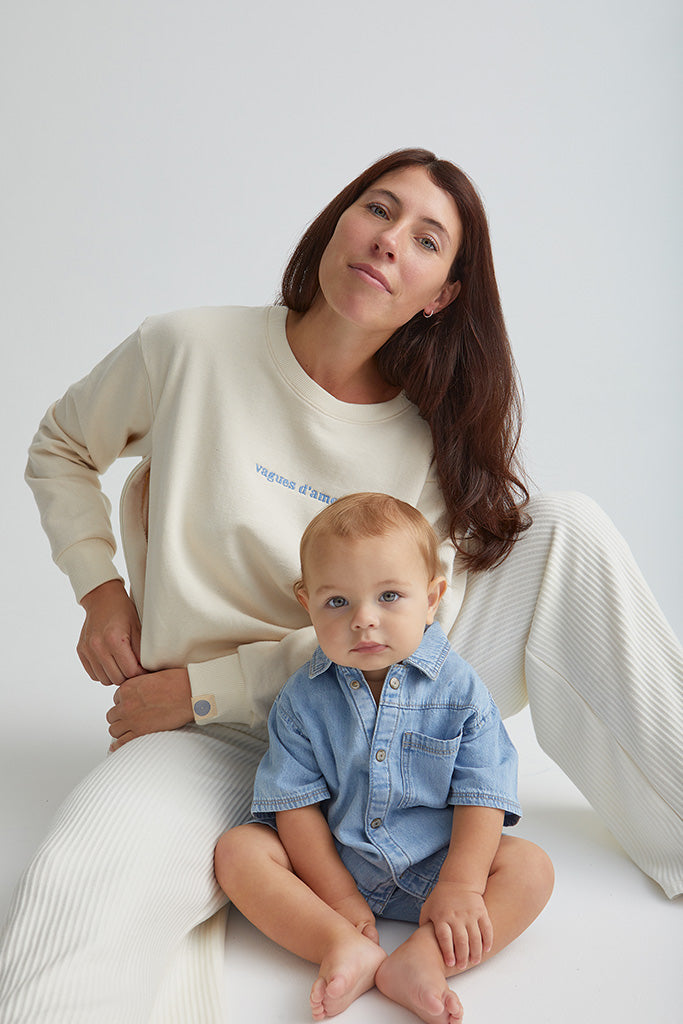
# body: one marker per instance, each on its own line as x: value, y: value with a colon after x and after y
x: 386, y: 244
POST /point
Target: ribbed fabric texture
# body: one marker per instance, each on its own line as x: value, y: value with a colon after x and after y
x: 117, y: 888
x: 106, y: 925
x: 569, y: 623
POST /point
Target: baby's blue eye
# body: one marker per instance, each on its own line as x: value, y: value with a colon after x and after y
x: 388, y: 596
x: 337, y: 602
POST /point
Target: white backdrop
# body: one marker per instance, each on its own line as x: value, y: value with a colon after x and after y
x: 167, y: 153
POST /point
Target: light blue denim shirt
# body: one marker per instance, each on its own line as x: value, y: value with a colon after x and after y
x: 387, y: 776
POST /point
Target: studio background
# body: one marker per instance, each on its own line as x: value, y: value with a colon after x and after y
x: 160, y: 154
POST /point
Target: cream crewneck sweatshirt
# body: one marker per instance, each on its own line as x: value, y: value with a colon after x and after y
x: 239, y: 449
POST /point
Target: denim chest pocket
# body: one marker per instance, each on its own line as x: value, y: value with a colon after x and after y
x: 427, y: 765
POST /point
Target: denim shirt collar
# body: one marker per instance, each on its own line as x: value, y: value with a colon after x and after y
x: 428, y: 658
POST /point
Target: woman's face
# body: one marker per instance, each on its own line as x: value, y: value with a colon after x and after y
x: 391, y: 252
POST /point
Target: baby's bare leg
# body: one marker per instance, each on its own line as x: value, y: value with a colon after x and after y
x: 519, y: 886
x: 254, y: 871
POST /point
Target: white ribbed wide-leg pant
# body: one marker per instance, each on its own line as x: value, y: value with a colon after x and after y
x: 106, y: 924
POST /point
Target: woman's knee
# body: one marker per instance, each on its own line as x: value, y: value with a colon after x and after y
x: 572, y: 513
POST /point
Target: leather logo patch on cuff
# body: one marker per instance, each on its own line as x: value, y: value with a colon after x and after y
x: 204, y: 707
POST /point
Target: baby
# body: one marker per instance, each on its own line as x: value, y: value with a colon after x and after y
x: 387, y: 782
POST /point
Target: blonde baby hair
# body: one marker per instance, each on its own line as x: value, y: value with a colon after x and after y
x: 370, y: 514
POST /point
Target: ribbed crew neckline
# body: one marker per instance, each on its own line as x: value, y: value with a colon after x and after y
x: 310, y: 391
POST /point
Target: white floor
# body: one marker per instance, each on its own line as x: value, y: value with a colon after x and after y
x: 608, y: 948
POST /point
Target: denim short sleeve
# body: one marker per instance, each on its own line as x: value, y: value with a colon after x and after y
x: 486, y: 768
x: 289, y: 775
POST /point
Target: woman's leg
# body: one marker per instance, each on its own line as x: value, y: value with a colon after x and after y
x: 256, y: 874
x: 124, y: 875
x: 569, y: 620
x: 414, y: 975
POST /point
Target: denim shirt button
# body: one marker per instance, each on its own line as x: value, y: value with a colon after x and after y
x: 375, y: 823
x: 394, y: 683
x: 354, y: 684
x: 380, y: 755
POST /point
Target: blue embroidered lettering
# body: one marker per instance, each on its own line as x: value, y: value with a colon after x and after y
x: 276, y: 478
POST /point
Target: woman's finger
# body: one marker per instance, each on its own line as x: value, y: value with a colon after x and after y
x: 85, y: 662
x: 125, y: 659
x: 119, y: 742
x: 100, y: 663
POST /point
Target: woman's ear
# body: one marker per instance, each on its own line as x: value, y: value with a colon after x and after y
x: 448, y: 293
x: 435, y: 591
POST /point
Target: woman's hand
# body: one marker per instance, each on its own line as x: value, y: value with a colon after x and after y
x: 461, y: 924
x: 150, y: 702
x: 109, y: 644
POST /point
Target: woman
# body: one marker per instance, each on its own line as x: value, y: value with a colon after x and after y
x: 389, y: 348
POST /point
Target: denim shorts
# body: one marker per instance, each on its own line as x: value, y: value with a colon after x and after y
x: 391, y: 900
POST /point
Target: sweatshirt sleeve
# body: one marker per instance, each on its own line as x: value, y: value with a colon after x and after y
x: 241, y: 687
x: 105, y: 415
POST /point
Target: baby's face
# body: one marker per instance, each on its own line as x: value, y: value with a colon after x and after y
x: 369, y: 599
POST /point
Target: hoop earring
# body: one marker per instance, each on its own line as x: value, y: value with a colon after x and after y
x: 427, y: 315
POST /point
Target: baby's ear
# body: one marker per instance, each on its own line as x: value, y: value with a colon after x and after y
x: 435, y: 591
x: 301, y: 595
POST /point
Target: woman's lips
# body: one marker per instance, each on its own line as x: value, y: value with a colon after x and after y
x: 373, y: 276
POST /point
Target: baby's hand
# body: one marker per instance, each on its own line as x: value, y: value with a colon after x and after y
x: 356, y: 910
x: 461, y: 924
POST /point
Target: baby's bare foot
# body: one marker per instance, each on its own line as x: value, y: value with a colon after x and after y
x: 412, y: 977
x: 346, y: 972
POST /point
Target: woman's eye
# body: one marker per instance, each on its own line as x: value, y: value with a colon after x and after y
x: 378, y: 210
x: 336, y: 602
x: 428, y: 243
x: 389, y: 596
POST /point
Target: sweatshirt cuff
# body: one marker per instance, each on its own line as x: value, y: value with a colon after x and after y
x: 219, y: 693
x: 88, y: 564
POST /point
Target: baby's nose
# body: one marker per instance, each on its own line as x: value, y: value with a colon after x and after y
x: 365, y: 617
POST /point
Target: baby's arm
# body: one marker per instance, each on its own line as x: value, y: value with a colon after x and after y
x: 306, y: 837
x: 456, y: 906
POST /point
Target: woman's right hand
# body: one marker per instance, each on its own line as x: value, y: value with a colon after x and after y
x: 109, y: 644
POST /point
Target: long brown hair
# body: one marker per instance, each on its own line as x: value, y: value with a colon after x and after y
x: 456, y: 367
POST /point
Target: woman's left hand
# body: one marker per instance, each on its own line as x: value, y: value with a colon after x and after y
x: 152, y: 702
